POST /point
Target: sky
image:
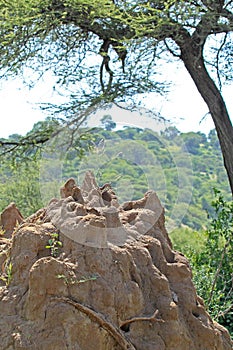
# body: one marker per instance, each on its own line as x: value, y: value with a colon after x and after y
x: 183, y: 106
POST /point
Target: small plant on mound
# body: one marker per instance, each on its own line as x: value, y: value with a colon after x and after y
x: 54, y: 245
x: 6, y: 277
x: 2, y: 232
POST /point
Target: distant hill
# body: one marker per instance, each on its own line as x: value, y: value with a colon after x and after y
x: 182, y: 168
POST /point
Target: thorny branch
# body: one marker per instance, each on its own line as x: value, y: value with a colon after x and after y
x: 11, y: 146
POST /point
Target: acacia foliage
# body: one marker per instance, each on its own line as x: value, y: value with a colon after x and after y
x: 76, y: 40
x: 106, y: 51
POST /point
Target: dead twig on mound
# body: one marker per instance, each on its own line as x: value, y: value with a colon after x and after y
x: 95, y: 317
x: 152, y: 318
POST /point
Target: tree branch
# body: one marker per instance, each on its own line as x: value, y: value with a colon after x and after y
x: 105, y: 64
x: 217, y: 61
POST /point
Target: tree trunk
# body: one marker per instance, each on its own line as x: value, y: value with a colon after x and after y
x: 194, y: 63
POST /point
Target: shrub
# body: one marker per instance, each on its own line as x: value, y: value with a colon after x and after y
x: 213, y: 265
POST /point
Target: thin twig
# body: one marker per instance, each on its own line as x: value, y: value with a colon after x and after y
x: 224, y: 312
x: 152, y: 318
x: 217, y: 61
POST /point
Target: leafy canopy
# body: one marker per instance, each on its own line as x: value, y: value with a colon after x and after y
x: 75, y: 40
x: 103, y: 51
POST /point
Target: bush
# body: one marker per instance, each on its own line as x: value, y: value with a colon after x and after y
x: 213, y: 266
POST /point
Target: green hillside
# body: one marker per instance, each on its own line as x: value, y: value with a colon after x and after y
x: 183, y: 168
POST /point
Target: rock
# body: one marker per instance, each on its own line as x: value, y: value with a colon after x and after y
x: 10, y: 218
x: 115, y: 283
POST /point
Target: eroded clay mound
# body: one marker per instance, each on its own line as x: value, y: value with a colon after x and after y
x: 114, y: 284
x: 92, y: 216
x: 9, y: 219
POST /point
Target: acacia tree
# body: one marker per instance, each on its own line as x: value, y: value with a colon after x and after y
x: 108, y: 51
